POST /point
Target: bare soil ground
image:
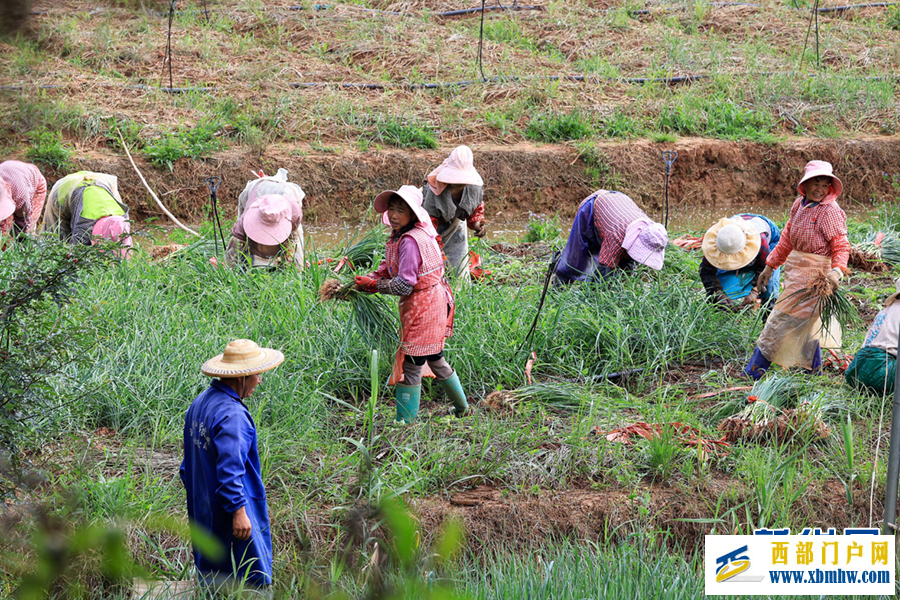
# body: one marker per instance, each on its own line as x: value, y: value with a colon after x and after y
x: 522, y: 178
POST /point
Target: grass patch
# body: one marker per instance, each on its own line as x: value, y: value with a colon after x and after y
x: 48, y: 148
x: 402, y: 133
x: 555, y: 127
x: 196, y: 142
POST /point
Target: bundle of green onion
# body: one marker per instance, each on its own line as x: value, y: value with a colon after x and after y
x: 362, y: 252
x: 887, y: 248
x: 832, y: 303
x: 371, y: 314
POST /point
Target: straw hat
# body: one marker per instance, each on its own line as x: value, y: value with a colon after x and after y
x: 7, y: 204
x: 890, y: 299
x: 268, y: 220
x: 645, y: 241
x: 815, y: 168
x: 242, y: 357
x: 731, y: 244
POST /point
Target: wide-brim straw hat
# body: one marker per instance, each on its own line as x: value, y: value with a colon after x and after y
x: 816, y: 168
x: 731, y: 244
x: 645, y: 241
x: 268, y: 220
x: 241, y: 358
x: 890, y: 299
x: 7, y: 204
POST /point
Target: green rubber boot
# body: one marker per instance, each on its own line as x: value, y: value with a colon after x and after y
x: 407, y: 402
x: 455, y: 392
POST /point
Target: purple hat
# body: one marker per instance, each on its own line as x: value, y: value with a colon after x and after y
x: 268, y: 220
x: 413, y: 198
x: 645, y: 242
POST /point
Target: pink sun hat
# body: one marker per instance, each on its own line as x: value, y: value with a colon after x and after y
x: 7, y: 204
x: 815, y: 168
x: 268, y: 220
x: 459, y: 167
x: 645, y: 242
x: 413, y: 198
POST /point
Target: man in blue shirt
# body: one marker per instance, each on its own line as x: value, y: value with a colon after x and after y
x: 221, y: 470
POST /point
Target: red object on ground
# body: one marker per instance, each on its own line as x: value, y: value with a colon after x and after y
x: 711, y: 394
x: 344, y: 261
x: 475, y: 270
x: 878, y: 237
x: 841, y: 363
x: 687, y: 435
x: 688, y: 242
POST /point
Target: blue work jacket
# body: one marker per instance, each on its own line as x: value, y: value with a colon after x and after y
x: 221, y: 473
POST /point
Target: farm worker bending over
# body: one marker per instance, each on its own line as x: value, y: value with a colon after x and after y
x: 814, y: 242
x: 875, y: 363
x: 734, y: 254
x: 453, y: 198
x: 22, y: 193
x: 221, y: 469
x: 256, y: 189
x: 610, y: 232
x: 413, y: 269
x: 266, y: 234
x: 85, y: 206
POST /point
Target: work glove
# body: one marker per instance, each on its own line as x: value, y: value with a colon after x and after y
x: 763, y: 281
x: 480, y: 230
x: 724, y: 301
x: 365, y: 284
x: 834, y: 277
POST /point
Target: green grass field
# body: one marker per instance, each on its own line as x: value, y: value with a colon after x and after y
x: 109, y: 448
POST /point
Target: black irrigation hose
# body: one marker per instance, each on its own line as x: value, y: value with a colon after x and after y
x: 20, y: 88
x: 434, y: 86
x: 468, y: 11
x: 449, y: 13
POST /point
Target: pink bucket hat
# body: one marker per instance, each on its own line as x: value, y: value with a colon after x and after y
x: 645, y: 242
x: 113, y: 228
x: 7, y: 204
x: 459, y: 167
x: 815, y: 168
x: 413, y: 198
x: 268, y: 220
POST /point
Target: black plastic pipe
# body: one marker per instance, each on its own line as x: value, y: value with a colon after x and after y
x: 826, y: 9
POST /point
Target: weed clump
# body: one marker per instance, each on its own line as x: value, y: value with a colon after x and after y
x: 554, y: 127
x: 198, y: 142
x: 50, y: 149
x: 403, y: 134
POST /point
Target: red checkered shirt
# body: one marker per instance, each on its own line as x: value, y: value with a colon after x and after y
x: 613, y: 213
x: 816, y: 229
x: 29, y: 190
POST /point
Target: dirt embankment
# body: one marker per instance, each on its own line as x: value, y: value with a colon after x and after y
x: 522, y: 178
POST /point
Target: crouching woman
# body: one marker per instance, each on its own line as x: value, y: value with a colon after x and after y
x: 874, y: 366
x: 413, y: 269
